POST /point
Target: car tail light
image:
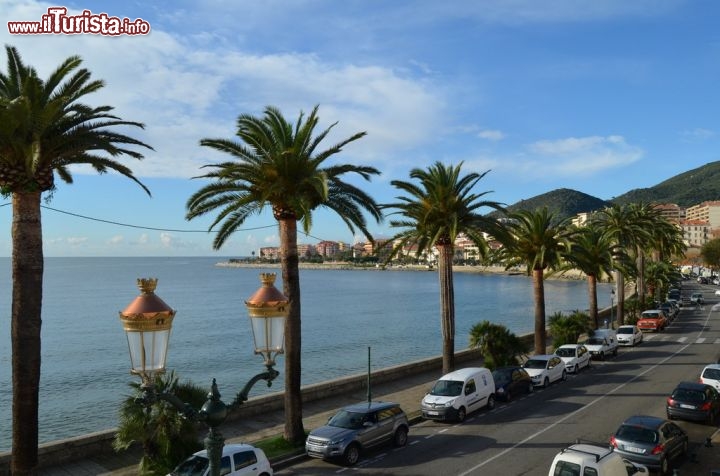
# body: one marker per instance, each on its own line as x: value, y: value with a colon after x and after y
x: 613, y: 442
x: 705, y: 406
x: 671, y: 402
x: 657, y: 450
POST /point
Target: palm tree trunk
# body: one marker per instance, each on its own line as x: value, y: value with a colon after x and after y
x: 539, y: 295
x: 447, y: 306
x: 294, y: 432
x: 26, y: 321
x: 641, y: 278
x: 592, y: 295
x: 620, y: 293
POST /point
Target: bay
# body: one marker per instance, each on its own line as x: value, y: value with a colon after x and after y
x: 85, y: 361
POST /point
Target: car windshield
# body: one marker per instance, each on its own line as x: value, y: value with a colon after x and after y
x: 447, y: 388
x: 501, y: 376
x: 567, y: 352
x: 595, y: 341
x: 535, y: 364
x: 349, y: 420
x: 625, y: 330
x: 193, y: 466
x: 636, y: 434
x: 687, y: 395
x: 712, y: 374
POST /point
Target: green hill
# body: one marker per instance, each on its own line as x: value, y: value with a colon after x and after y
x: 687, y: 189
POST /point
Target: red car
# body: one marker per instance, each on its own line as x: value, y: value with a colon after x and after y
x: 653, y: 320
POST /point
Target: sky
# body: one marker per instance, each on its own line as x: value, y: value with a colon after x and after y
x: 601, y: 97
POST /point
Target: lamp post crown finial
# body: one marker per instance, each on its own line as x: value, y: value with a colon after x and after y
x: 267, y: 279
x: 147, y: 286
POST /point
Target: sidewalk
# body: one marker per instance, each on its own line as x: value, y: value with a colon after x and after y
x: 408, y: 392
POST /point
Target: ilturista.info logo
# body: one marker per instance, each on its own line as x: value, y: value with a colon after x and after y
x: 57, y: 22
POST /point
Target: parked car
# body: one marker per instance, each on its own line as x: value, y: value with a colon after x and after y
x: 652, y: 320
x: 574, y: 356
x: 585, y: 459
x: 651, y: 441
x: 545, y: 369
x: 629, y: 335
x: 694, y: 401
x: 711, y: 375
x: 458, y: 393
x: 511, y: 381
x: 670, y: 311
x: 602, y: 342
x: 356, y: 428
x: 237, y: 460
x: 697, y: 298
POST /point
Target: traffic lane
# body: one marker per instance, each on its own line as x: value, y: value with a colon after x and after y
x: 484, y: 446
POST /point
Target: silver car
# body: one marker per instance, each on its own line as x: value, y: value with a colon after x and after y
x: 651, y: 441
x: 356, y: 428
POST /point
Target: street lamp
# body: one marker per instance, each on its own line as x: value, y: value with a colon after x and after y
x: 147, y: 321
x: 612, y: 300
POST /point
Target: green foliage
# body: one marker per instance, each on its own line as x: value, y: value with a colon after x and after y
x: 166, y: 437
x: 498, y: 345
x: 567, y: 329
x: 710, y: 253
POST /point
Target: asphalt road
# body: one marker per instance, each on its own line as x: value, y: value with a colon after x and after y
x: 523, y: 436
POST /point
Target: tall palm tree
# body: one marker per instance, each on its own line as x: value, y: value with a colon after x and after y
x: 538, y: 241
x: 279, y: 165
x: 435, y: 209
x: 620, y: 223
x: 590, y: 252
x: 44, y: 129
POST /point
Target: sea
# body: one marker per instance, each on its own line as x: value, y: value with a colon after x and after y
x: 394, y: 313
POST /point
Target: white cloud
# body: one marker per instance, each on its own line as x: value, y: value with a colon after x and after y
x: 492, y: 135
x: 697, y: 134
x: 116, y: 240
x: 583, y: 155
x: 76, y: 240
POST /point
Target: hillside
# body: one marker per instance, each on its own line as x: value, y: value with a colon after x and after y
x: 687, y: 189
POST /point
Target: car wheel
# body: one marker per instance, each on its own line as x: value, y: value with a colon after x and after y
x: 531, y: 388
x: 352, y: 454
x: 576, y: 369
x: 461, y: 414
x: 589, y: 362
x: 711, y: 419
x: 602, y: 355
x: 491, y: 402
x: 546, y: 382
x: 663, y: 466
x: 400, y: 438
x: 615, y: 352
x: 564, y: 376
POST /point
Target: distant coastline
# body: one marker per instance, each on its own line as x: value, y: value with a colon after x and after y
x: 572, y: 274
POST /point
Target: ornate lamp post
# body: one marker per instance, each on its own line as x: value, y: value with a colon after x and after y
x: 148, y: 321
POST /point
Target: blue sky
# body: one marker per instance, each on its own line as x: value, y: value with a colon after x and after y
x: 596, y: 96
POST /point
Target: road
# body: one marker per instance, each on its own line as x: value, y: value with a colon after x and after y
x: 523, y: 436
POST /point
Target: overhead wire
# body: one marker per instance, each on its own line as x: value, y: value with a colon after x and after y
x: 142, y: 227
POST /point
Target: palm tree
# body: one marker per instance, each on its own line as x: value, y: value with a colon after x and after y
x: 44, y: 129
x: 590, y: 252
x: 167, y: 437
x: 277, y: 164
x: 434, y: 211
x: 538, y: 241
x: 620, y: 223
x: 498, y: 345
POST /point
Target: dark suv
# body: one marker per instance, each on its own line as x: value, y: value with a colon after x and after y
x: 357, y: 427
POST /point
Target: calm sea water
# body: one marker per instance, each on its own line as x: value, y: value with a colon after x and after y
x: 85, y: 366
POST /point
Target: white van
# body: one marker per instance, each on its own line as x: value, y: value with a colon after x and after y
x: 459, y: 393
x: 585, y: 459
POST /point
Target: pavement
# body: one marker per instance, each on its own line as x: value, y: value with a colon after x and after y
x: 703, y: 459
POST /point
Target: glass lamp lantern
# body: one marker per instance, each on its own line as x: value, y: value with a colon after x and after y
x: 268, y: 310
x: 147, y: 322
